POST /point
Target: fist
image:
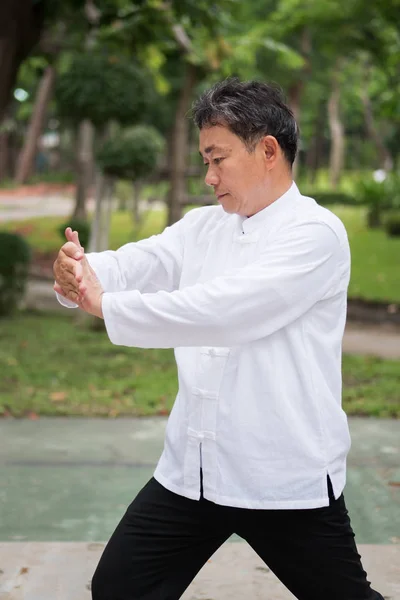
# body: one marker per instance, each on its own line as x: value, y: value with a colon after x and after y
x: 68, y: 267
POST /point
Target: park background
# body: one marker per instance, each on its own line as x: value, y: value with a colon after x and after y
x: 95, y: 133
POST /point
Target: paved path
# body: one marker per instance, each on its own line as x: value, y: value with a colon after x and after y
x: 66, y: 483
x: 57, y: 205
x: 55, y: 571
x: 17, y: 209
x: 51, y: 467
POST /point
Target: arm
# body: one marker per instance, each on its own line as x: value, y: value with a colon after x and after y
x: 300, y: 268
x: 148, y: 265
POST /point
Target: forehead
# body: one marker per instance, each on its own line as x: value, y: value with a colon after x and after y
x: 216, y: 138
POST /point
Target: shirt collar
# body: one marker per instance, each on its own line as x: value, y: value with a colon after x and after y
x: 269, y: 215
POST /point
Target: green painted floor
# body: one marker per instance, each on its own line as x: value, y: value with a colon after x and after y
x: 71, y: 479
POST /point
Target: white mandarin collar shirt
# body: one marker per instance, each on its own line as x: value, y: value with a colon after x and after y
x: 255, y: 309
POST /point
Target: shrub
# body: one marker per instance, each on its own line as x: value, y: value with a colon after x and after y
x: 392, y: 223
x: 15, y: 257
x: 379, y: 196
x: 82, y: 227
x: 132, y: 154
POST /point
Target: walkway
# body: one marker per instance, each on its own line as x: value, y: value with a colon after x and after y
x: 67, y: 482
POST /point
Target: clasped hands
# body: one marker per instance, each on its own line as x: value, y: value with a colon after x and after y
x: 75, y: 278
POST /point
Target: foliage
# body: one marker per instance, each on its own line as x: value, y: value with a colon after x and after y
x: 391, y: 222
x: 131, y: 154
x: 82, y: 227
x: 328, y: 198
x: 102, y: 87
x: 105, y: 380
x: 379, y: 196
x: 15, y: 256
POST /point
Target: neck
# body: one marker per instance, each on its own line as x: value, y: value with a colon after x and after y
x: 275, y: 190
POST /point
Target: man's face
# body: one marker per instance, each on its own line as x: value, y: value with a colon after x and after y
x: 237, y: 176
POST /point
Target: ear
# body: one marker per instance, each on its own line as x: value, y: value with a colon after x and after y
x: 271, y: 150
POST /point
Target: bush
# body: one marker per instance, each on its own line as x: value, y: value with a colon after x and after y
x: 103, y: 87
x: 392, y: 223
x: 82, y: 227
x: 132, y: 154
x: 379, y: 197
x: 15, y: 257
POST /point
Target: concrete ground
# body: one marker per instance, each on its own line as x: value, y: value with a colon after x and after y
x: 54, y: 571
x: 17, y: 208
x: 67, y: 482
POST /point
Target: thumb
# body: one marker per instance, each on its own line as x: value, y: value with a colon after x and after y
x: 73, y: 236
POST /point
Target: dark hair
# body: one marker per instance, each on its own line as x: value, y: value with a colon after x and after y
x: 251, y: 110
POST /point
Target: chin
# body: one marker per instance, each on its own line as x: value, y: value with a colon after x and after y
x: 228, y: 208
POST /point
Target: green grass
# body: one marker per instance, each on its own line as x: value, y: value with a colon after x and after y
x: 375, y: 256
x: 50, y: 365
x: 42, y: 233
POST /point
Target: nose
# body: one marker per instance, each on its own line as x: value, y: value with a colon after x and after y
x: 211, y: 177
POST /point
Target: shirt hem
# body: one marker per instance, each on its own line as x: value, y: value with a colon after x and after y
x: 176, y: 489
x: 243, y: 503
x: 267, y: 505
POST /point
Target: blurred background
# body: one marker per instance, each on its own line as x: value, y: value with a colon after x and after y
x: 95, y: 134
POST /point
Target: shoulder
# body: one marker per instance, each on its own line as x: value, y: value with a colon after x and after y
x: 308, y: 213
x: 204, y: 219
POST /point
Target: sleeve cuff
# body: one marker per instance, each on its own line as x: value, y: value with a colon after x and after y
x: 65, y: 302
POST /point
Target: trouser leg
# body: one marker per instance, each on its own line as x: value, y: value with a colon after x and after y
x: 159, y: 546
x: 313, y: 552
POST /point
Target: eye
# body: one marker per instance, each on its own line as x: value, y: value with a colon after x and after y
x: 217, y: 161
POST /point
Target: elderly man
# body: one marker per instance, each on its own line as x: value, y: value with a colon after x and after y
x: 252, y: 296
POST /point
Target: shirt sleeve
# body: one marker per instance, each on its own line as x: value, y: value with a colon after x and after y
x: 149, y: 265
x: 298, y: 269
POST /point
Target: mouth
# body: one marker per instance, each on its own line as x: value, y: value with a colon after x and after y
x: 219, y: 196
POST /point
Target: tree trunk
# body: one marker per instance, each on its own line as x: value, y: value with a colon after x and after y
x: 104, y: 234
x: 136, y: 212
x: 336, y: 161
x: 4, y: 155
x: 179, y: 147
x: 316, y: 148
x: 85, y: 162
x: 94, y: 242
x: 384, y: 156
x: 99, y: 235
x: 294, y: 99
x: 295, y: 90
x: 20, y: 27
x: 28, y: 152
x: 84, y: 167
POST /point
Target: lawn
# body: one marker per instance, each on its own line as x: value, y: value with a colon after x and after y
x: 375, y: 256
x: 51, y: 366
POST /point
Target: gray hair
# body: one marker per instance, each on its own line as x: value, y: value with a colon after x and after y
x: 251, y: 110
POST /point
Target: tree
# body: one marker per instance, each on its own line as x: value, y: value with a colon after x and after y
x: 21, y: 23
x: 131, y: 154
x: 27, y: 155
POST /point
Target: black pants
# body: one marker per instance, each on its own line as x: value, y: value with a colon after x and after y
x: 164, y: 539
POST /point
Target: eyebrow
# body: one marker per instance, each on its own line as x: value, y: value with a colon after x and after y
x: 210, y: 149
